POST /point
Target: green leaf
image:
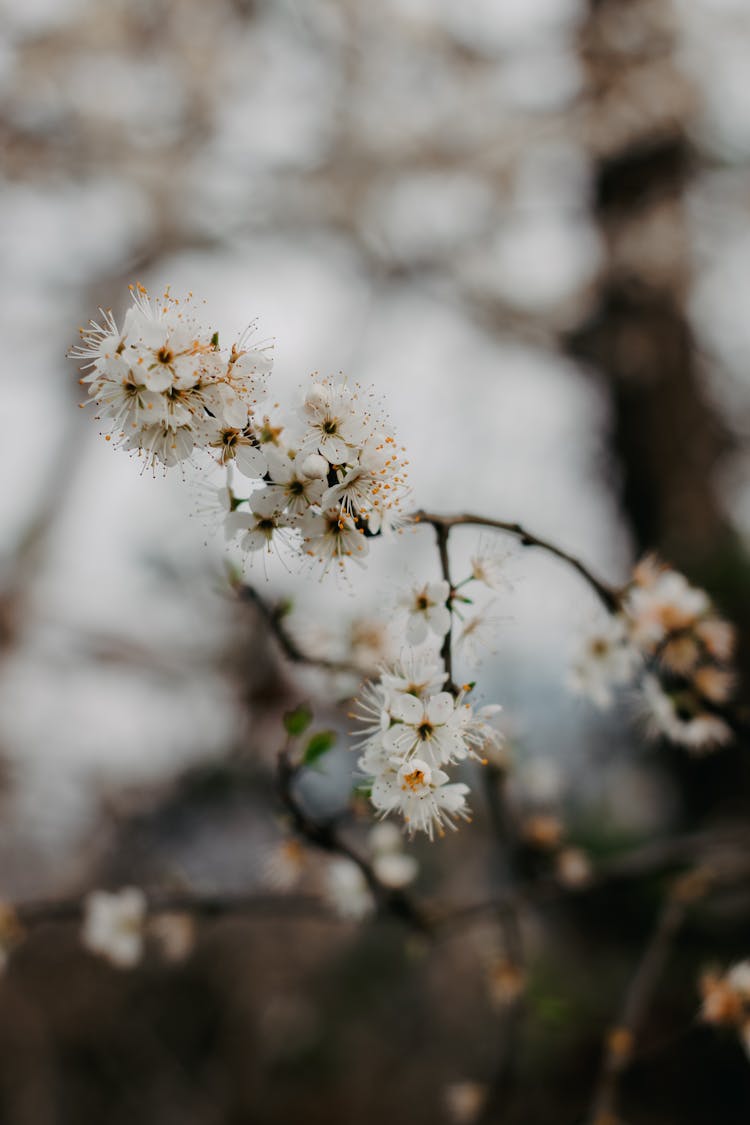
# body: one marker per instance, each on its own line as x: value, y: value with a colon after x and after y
x: 320, y: 743
x: 215, y: 341
x: 297, y: 721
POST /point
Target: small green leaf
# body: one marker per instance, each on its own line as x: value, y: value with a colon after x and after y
x: 215, y: 341
x: 297, y: 721
x: 320, y: 743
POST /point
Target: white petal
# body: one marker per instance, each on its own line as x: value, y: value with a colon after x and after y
x: 408, y: 709
x: 439, y: 620
x: 440, y: 708
x: 334, y: 449
x: 249, y: 460
x: 438, y: 592
x: 416, y: 629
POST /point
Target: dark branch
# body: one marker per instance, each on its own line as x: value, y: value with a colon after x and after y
x: 608, y: 595
x: 323, y: 835
x: 273, y: 617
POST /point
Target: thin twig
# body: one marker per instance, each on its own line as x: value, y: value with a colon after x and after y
x: 608, y: 595
x: 508, y: 910
x: 726, y: 852
x: 620, y: 1042
x: 273, y: 617
x: 323, y: 835
x: 210, y: 906
x: 446, y: 652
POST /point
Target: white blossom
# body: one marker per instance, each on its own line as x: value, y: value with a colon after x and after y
x: 478, y: 635
x: 677, y: 716
x: 294, y: 490
x: 726, y: 1000
x: 430, y: 729
x: 606, y: 660
x: 113, y: 925
x: 331, y: 537
x: 414, y: 673
x: 393, y: 866
x: 662, y: 601
x: 262, y: 525
x: 489, y: 566
x: 423, y: 796
x: 347, y: 890
x: 336, y: 422
x: 427, y: 611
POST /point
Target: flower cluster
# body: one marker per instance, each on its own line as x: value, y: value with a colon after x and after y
x: 165, y: 388
x: 116, y: 926
x: 412, y: 734
x: 668, y: 640
x: 324, y: 476
x: 726, y: 1000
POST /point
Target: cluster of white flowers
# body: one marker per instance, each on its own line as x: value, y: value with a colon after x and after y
x: 324, y: 476
x: 412, y: 734
x: 116, y: 925
x: 668, y: 642
x: 726, y: 1000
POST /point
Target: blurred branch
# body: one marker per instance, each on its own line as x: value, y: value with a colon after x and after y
x: 726, y: 853
x: 722, y: 853
x: 508, y: 909
x: 208, y: 906
x: 621, y: 1038
x: 323, y: 835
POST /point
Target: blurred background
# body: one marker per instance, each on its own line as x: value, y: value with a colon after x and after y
x: 526, y: 224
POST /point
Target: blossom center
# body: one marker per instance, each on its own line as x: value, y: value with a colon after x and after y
x: 414, y: 780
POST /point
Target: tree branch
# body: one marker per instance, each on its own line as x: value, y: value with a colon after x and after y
x: 446, y: 651
x: 323, y: 835
x: 620, y: 1041
x: 608, y: 595
x: 273, y: 617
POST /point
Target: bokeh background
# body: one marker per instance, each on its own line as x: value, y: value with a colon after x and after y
x: 526, y: 223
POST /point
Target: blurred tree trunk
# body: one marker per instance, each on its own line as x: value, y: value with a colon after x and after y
x: 668, y: 436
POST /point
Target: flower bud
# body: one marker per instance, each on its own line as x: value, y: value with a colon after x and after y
x: 315, y: 467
